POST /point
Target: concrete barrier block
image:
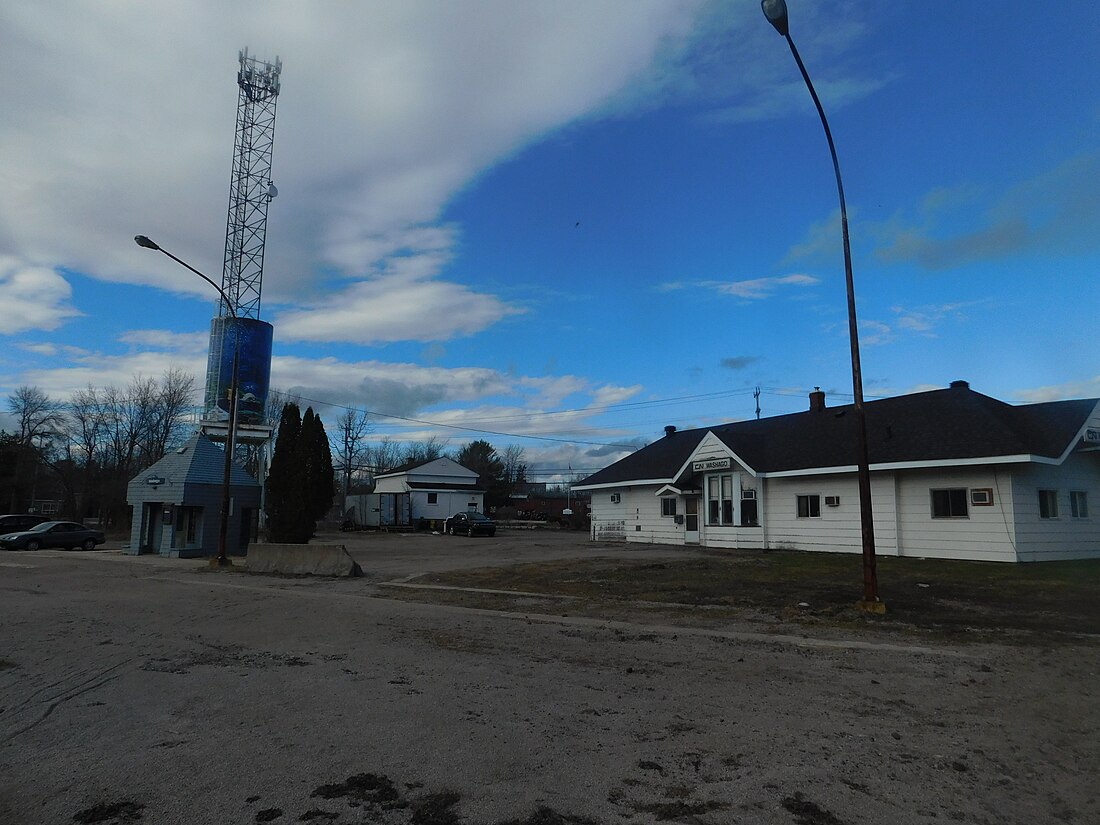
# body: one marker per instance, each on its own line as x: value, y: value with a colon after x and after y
x: 301, y: 560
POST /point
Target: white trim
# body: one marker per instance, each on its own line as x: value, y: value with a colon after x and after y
x: 917, y: 465
x: 634, y: 482
x: 1080, y: 433
x: 702, y: 442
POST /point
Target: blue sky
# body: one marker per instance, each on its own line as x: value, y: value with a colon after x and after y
x: 565, y: 223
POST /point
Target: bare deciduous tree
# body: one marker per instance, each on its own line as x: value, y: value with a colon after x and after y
x: 349, y: 452
x: 417, y: 452
x: 36, y: 412
x: 383, y: 455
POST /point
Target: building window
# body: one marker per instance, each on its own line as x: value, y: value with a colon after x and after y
x: 720, y: 500
x: 1048, y: 504
x: 809, y: 506
x: 668, y: 507
x: 433, y: 498
x: 1079, y: 504
x: 749, y: 513
x: 949, y: 503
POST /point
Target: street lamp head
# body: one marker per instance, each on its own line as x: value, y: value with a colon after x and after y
x: 141, y: 240
x: 776, y: 12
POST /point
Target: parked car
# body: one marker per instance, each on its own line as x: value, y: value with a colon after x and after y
x: 63, y: 534
x: 470, y: 524
x: 15, y: 522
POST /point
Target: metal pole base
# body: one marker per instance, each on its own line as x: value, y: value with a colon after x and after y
x: 219, y: 563
x: 876, y: 606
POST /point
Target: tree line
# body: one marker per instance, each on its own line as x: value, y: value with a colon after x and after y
x: 83, y: 451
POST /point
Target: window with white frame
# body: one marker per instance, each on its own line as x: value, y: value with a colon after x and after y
x: 668, y: 506
x: 950, y: 503
x: 1079, y: 504
x: 1048, y: 504
x: 720, y: 500
x: 809, y: 506
x: 750, y: 514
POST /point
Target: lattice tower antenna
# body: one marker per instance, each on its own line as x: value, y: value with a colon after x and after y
x: 250, y: 192
x: 251, y: 188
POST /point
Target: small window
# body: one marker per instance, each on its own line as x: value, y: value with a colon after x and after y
x: 668, y: 507
x: 1079, y: 504
x: 949, y: 503
x: 1048, y: 504
x: 433, y: 498
x: 750, y: 514
x: 809, y: 506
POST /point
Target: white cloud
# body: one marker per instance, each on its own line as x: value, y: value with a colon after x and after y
x: 32, y: 297
x: 385, y: 115
x: 1088, y: 388
x: 394, y: 309
x: 875, y: 333
x: 191, y: 342
x: 758, y: 288
x: 926, y: 319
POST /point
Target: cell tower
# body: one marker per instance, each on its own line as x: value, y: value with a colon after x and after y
x: 238, y: 326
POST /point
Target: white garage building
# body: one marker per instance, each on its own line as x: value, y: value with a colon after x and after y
x: 954, y: 474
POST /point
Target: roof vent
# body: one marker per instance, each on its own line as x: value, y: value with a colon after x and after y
x: 817, y: 400
x: 960, y: 385
x: 670, y: 429
x: 181, y: 451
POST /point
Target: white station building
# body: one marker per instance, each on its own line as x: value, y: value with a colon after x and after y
x: 954, y: 474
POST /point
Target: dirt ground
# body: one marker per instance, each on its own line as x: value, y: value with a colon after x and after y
x: 621, y: 685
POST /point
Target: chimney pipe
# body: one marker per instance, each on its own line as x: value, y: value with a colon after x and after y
x: 817, y: 400
x: 669, y: 430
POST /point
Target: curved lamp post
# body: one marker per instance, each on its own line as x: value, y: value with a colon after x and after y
x: 222, y: 559
x: 776, y: 12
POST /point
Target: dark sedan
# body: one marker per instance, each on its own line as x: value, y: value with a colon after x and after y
x: 470, y: 524
x: 63, y: 534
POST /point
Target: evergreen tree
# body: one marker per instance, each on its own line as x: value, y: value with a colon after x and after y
x: 481, y: 457
x: 315, y: 457
x: 283, y: 501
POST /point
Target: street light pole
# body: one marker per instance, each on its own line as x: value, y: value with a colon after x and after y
x: 776, y: 12
x: 222, y: 559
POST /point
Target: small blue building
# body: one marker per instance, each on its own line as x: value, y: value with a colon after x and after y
x: 177, y: 503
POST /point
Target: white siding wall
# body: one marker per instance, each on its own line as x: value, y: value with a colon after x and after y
x: 639, y: 513
x: 838, y: 528
x: 1064, y: 537
x: 448, y: 503
x: 986, y: 534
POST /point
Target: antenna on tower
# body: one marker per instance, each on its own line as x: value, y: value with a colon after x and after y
x: 237, y: 327
x: 756, y: 395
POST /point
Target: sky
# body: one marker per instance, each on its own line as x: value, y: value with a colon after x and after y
x: 561, y: 224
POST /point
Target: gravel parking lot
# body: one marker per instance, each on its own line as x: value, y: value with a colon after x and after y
x: 141, y: 689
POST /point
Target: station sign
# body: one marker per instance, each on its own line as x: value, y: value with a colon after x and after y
x: 712, y: 464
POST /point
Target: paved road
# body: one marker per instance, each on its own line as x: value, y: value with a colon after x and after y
x: 157, y: 690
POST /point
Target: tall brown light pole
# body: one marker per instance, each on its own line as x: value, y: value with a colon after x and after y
x: 776, y: 12
x: 222, y: 559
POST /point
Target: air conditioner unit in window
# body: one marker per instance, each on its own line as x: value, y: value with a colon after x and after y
x: 832, y: 501
x: 748, y: 494
x: 616, y: 498
x: 982, y: 497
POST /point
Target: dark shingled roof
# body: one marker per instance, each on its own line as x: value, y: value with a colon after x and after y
x: 199, y: 461
x: 940, y: 425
